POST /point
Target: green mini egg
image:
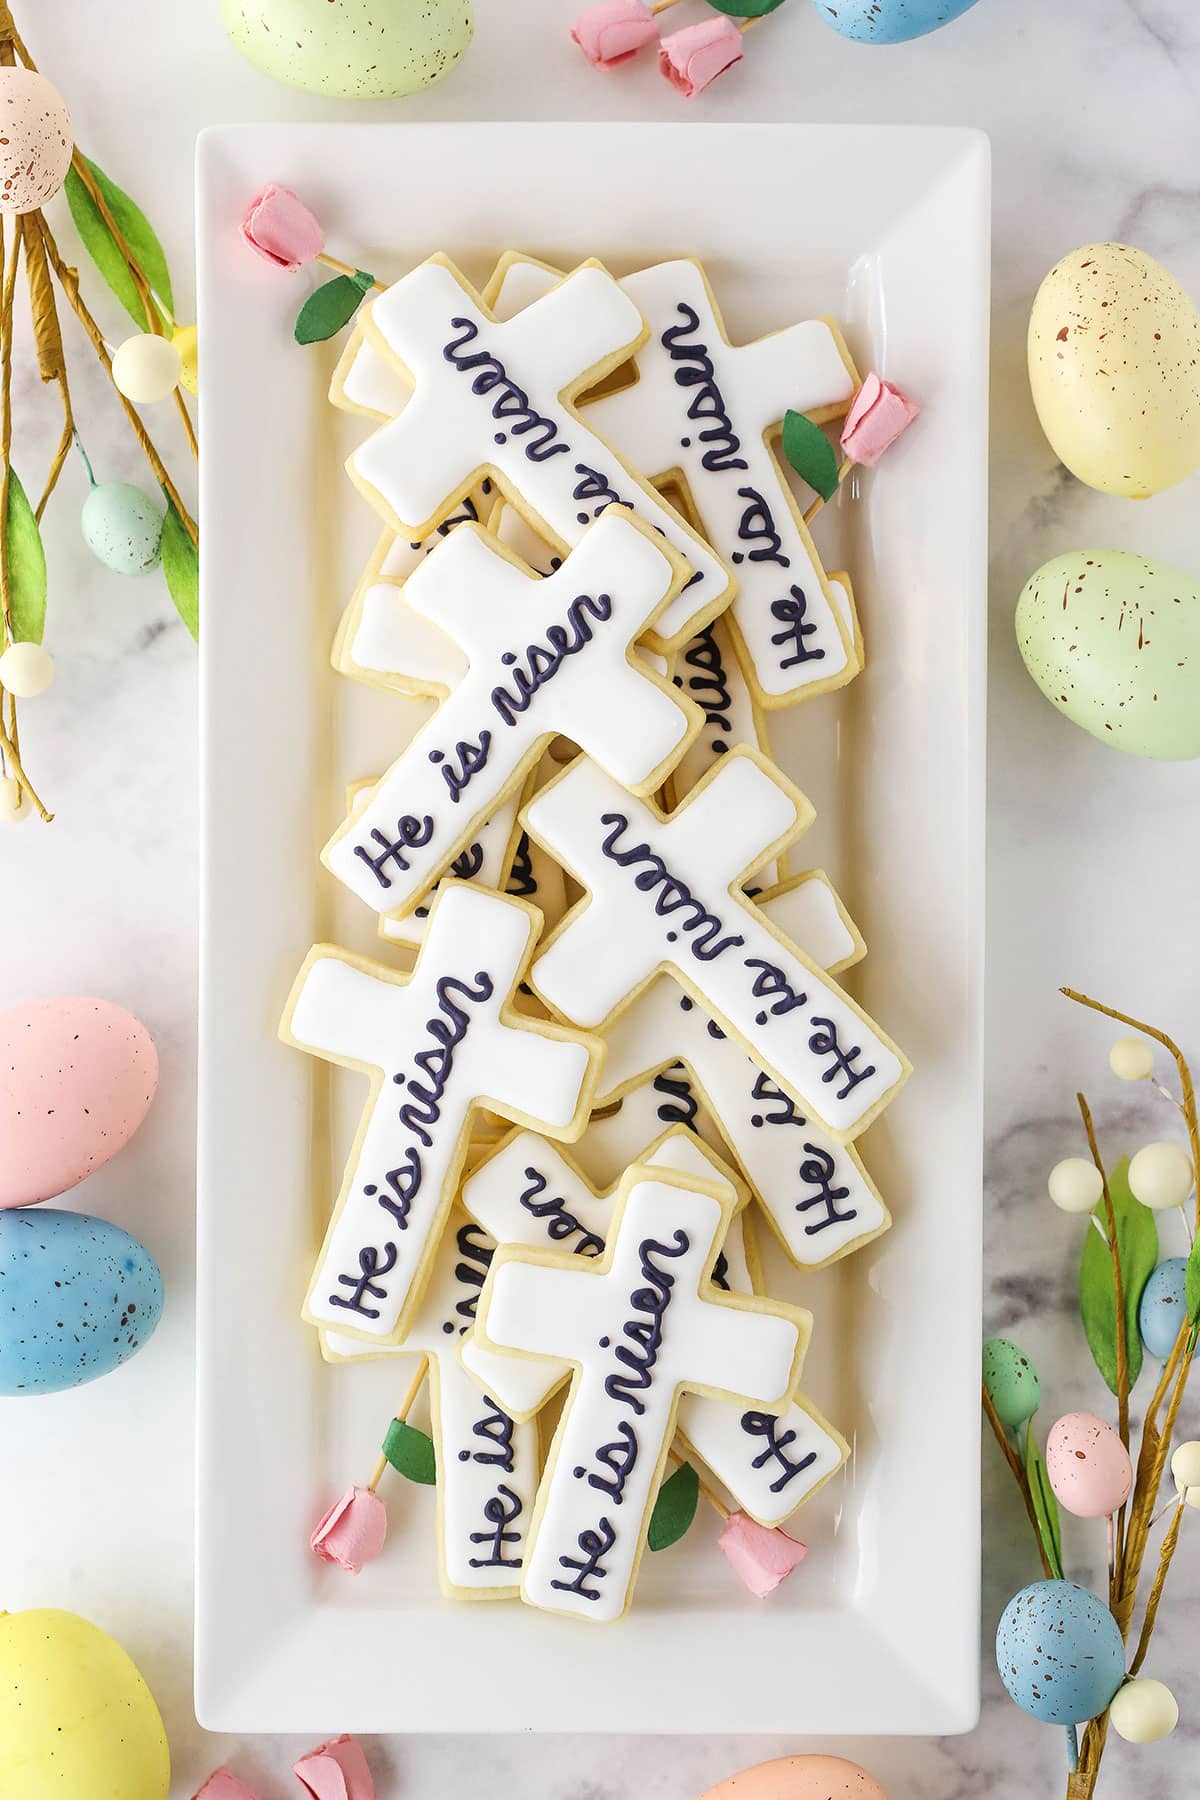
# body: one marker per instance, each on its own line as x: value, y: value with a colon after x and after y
x: 1011, y: 1382
x: 355, y: 49
x: 1113, y: 640
x: 122, y: 526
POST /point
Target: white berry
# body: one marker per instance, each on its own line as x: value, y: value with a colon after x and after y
x: 1143, y: 1711
x: 1132, y: 1059
x: 1185, y: 1464
x: 1160, y: 1176
x: 146, y: 368
x: 26, y: 670
x: 14, y: 801
x: 1075, y: 1185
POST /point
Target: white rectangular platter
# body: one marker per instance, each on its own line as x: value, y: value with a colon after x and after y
x: 888, y: 230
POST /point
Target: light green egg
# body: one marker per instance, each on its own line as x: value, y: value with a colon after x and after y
x: 1011, y: 1381
x: 122, y: 526
x: 354, y: 49
x: 1113, y: 640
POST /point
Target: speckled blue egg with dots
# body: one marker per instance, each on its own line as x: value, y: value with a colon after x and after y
x: 889, y: 21
x: 123, y: 527
x: 1163, y: 1306
x: 78, y: 1297
x: 1059, y: 1652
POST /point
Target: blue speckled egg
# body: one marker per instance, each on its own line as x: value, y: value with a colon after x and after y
x: 78, y: 1296
x: 1059, y: 1652
x: 889, y: 21
x: 1163, y: 1305
x: 122, y: 526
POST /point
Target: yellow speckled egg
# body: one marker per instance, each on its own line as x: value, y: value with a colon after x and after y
x: 1114, y: 364
x: 1113, y: 640
x: 355, y: 49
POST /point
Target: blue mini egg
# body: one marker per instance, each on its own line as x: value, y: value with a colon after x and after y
x: 123, y: 526
x: 1059, y: 1652
x: 889, y: 21
x: 78, y: 1297
x: 1163, y: 1305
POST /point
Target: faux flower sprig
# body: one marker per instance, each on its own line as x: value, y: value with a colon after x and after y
x: 130, y: 530
x: 612, y: 32
x: 337, y: 1770
x: 1064, y: 1654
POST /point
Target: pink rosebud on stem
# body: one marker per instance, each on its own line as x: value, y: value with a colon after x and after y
x: 692, y: 58
x: 280, y: 228
x: 223, y: 1784
x: 336, y: 1771
x: 762, y: 1557
x: 879, y: 413
x: 353, y: 1531
x: 614, y: 31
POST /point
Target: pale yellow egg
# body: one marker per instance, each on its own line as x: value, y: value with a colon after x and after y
x: 184, y: 339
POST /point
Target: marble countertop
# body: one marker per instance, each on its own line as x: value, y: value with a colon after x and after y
x: 1094, y: 116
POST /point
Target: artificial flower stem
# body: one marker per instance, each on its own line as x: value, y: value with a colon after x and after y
x: 1018, y: 1473
x: 847, y: 462
x: 149, y: 300
x: 343, y: 268
x: 401, y: 1413
x: 661, y: 6
x: 86, y: 460
x: 1072, y: 1749
x: 1118, y: 1276
x: 1187, y: 1226
x: 1164, y: 1562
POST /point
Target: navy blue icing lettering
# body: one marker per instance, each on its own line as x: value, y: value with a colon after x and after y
x: 511, y: 406
x: 403, y: 1182
x: 708, y: 685
x: 720, y: 1274
x: 365, y: 1283
x: 422, y: 1109
x: 771, y: 983
x: 560, y: 1224
x: 818, y: 1172
x: 411, y: 834
x: 796, y: 627
x: 824, y: 1042
x: 521, y: 878
x: 476, y: 1251
x: 465, y: 866
x: 674, y: 895
x: 593, y: 486
x: 619, y: 1459
x: 496, y: 1430
x: 765, y: 1089
x: 757, y: 527
x: 501, y: 1511
x: 593, y: 1546
x: 470, y: 758
x: 695, y: 370
x: 543, y: 664
x: 766, y: 1426
x: 645, y: 1333
x: 680, y: 1106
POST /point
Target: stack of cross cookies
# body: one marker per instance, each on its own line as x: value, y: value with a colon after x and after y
x: 595, y: 564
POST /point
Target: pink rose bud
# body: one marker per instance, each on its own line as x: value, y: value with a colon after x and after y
x: 352, y: 1532
x: 763, y: 1558
x: 614, y: 31
x: 695, y: 56
x: 223, y: 1784
x: 336, y: 1771
x: 280, y: 227
x: 879, y: 414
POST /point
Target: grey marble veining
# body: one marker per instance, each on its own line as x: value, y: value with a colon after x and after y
x: 1094, y: 863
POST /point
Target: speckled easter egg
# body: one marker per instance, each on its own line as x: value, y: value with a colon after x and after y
x: 1088, y: 1465
x: 799, y: 1778
x: 356, y: 49
x: 80, y: 1297
x: 77, y: 1076
x: 1059, y: 1652
x: 1113, y: 641
x: 1163, y: 1305
x: 77, y: 1721
x: 35, y: 140
x: 889, y: 21
x: 123, y: 526
x: 1011, y: 1381
x: 1114, y: 364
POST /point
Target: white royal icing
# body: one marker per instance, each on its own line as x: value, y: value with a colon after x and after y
x: 707, y: 670
x: 807, y: 910
x: 487, y: 397
x: 545, y: 655
x: 438, y: 1046
x: 642, y: 1326
x: 613, y: 1140
x: 662, y: 895
x: 483, y: 861
x: 366, y: 382
x: 487, y: 1464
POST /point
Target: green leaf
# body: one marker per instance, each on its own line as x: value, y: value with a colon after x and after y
x: 1137, y: 1245
x: 745, y: 9
x: 1192, y: 1280
x: 181, y: 568
x: 410, y: 1453
x: 675, y: 1508
x: 101, y: 246
x: 1045, y: 1506
x: 810, y: 453
x: 26, y: 566
x: 331, y: 306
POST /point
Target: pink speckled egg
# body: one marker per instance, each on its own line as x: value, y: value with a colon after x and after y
x: 799, y: 1778
x: 35, y: 140
x: 76, y: 1080
x: 1088, y: 1466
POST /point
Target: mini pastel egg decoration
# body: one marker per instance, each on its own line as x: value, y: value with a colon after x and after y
x: 1163, y: 1306
x: 122, y: 527
x: 1059, y: 1652
x: 1114, y: 365
x: 1113, y: 641
x: 77, y: 1721
x: 81, y: 1296
x: 799, y: 1778
x: 353, y: 49
x: 36, y: 140
x: 1011, y: 1382
x: 1088, y: 1466
x: 1144, y: 1711
x: 77, y: 1076
x: 890, y: 21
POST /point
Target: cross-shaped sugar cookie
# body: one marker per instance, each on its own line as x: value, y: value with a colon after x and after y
x: 544, y: 655
x: 495, y: 399
x: 642, y: 1324
x: 487, y: 1463
x: 437, y: 1045
x: 664, y: 893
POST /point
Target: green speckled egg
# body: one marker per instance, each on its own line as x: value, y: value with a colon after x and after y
x: 1011, y: 1381
x: 1113, y: 640
x: 1114, y: 364
x: 354, y: 49
x: 122, y: 526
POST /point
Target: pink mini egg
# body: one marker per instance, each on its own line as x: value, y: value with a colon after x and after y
x: 799, y: 1778
x: 77, y: 1076
x: 35, y: 140
x: 1088, y: 1466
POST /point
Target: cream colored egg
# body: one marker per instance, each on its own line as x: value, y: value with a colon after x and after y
x: 1114, y: 364
x: 35, y: 140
